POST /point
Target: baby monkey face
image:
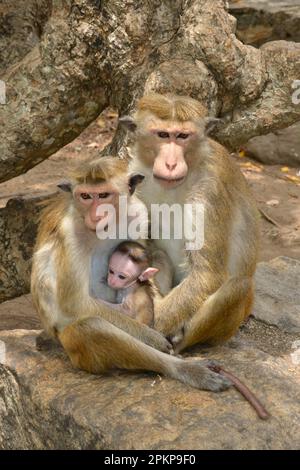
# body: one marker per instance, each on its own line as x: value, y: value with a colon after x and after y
x: 122, y: 271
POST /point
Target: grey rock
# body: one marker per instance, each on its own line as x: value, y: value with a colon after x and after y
x: 259, y: 21
x: 18, y: 228
x: 280, y: 147
x: 277, y: 294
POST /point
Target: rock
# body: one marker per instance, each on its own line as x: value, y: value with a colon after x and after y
x: 19, y: 313
x: 259, y: 21
x: 277, y: 294
x: 278, y: 148
x: 46, y: 404
x: 18, y: 228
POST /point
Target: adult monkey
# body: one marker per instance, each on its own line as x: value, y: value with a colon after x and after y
x: 95, y: 336
x: 214, y: 290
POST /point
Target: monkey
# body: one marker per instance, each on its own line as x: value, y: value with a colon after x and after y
x: 213, y: 286
x: 96, y: 337
x: 130, y: 273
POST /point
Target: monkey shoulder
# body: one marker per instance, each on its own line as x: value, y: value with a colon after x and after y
x: 51, y: 217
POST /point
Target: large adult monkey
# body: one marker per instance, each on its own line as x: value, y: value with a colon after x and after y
x: 95, y: 336
x: 182, y: 165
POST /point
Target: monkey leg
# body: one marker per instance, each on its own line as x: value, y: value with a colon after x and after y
x: 94, y: 345
x: 220, y: 315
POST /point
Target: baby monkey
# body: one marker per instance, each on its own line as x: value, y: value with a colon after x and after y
x: 130, y: 273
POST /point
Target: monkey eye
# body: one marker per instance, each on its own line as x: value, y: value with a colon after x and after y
x: 103, y: 195
x: 163, y: 135
x: 110, y: 271
x: 121, y: 276
x: 182, y: 136
x: 85, y: 196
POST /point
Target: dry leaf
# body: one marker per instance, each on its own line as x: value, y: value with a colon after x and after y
x: 242, y: 153
x: 285, y: 169
x: 295, y: 179
x: 272, y: 202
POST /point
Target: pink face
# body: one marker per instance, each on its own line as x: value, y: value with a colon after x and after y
x: 122, y: 271
x: 90, y: 198
x: 170, y: 167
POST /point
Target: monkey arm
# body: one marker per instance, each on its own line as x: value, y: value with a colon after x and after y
x: 207, y: 269
x: 96, y: 308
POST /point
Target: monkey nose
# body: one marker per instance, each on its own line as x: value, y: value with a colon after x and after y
x: 171, y: 166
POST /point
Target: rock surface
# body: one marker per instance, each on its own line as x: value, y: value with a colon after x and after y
x: 277, y: 295
x: 260, y: 21
x: 266, y: 20
x: 281, y: 147
x: 46, y: 404
x: 18, y: 228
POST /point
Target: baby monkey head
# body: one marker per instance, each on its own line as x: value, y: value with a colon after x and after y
x: 128, y: 264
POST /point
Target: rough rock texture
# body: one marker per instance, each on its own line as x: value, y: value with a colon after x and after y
x: 46, y: 404
x: 277, y: 295
x: 280, y: 147
x: 19, y: 313
x: 260, y: 21
x: 93, y: 54
x: 18, y: 228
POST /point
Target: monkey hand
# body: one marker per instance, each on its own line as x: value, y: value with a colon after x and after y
x: 158, y: 341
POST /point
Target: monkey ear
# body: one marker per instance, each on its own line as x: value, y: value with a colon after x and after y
x: 134, y: 180
x: 128, y: 122
x: 210, y: 123
x: 148, y: 273
x: 65, y: 186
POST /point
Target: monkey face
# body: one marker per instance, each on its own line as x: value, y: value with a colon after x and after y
x: 122, y: 271
x: 89, y: 198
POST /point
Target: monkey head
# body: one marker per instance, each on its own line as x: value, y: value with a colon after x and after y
x: 128, y: 264
x: 168, y: 132
x: 98, y: 182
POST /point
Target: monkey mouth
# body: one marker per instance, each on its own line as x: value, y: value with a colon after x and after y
x: 169, y: 182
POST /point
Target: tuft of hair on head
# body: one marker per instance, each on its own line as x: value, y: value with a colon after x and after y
x: 98, y: 170
x: 172, y: 107
x: 134, y: 251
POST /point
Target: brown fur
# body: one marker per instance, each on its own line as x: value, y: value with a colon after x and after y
x: 95, y: 336
x: 216, y: 294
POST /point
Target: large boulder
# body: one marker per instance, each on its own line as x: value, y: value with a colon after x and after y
x: 18, y: 229
x: 279, y: 148
x: 277, y: 294
x: 259, y: 21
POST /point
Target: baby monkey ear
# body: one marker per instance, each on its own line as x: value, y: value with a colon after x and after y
x: 210, y: 123
x: 128, y: 122
x: 147, y: 274
x: 65, y: 186
x: 134, y: 180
